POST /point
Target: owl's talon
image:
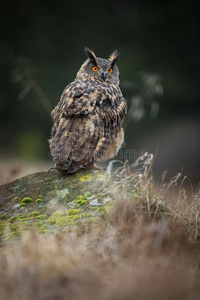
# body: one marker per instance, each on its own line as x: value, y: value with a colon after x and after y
x: 52, y: 168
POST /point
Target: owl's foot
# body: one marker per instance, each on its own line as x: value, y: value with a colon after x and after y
x: 60, y: 169
x: 51, y: 169
x: 54, y: 169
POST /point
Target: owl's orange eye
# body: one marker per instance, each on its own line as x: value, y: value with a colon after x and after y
x: 110, y: 70
x: 95, y: 68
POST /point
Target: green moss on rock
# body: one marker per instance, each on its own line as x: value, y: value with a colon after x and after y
x: 80, y: 197
x: 81, y: 202
x: 34, y: 214
x: 75, y: 217
x: 4, y: 216
x: 41, y: 195
x: 74, y: 211
x: 26, y: 200
x: 16, y: 200
x: 42, y: 217
x: 17, y: 217
x: 88, y: 194
x: 85, y: 178
x: 38, y: 200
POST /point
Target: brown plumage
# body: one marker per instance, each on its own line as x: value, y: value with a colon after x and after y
x: 89, y: 116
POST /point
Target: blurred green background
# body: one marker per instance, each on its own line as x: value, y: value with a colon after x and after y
x: 42, y: 49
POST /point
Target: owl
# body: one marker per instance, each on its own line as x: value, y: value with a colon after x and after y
x: 88, y: 118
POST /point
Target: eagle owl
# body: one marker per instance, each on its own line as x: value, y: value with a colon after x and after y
x: 89, y: 116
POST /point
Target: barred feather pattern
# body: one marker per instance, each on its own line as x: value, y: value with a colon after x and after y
x: 87, y: 124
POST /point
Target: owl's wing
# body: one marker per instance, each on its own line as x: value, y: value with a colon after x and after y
x: 76, y: 125
x: 77, y: 98
x: 72, y: 140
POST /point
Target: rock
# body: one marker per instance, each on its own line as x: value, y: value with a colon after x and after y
x: 51, y: 202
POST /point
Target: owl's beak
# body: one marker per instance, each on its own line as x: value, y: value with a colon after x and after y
x: 104, y: 75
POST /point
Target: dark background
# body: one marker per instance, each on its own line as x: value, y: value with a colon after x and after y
x: 42, y: 49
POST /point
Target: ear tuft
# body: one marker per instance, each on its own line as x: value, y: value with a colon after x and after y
x: 114, y: 57
x: 91, y: 55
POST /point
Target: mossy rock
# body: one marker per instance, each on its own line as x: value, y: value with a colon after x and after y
x: 50, y: 202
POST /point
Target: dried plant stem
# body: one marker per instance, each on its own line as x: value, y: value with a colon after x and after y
x: 38, y: 91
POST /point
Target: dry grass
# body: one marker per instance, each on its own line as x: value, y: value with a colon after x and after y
x: 146, y: 248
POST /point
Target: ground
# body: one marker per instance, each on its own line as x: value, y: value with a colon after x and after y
x: 98, y: 235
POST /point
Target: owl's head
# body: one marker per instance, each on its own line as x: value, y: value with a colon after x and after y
x: 100, y: 68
